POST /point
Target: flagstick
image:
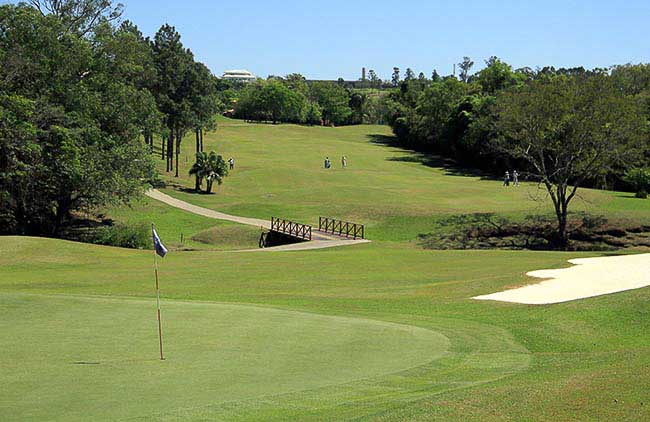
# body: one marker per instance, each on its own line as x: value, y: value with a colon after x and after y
x: 155, y: 264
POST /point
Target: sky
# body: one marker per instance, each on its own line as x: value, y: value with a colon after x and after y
x: 336, y: 38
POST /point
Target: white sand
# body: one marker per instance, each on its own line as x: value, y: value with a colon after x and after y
x: 588, y: 277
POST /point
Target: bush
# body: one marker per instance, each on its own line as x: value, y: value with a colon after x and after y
x: 639, y: 179
x: 134, y: 236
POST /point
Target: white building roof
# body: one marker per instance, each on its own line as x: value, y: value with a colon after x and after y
x: 238, y: 74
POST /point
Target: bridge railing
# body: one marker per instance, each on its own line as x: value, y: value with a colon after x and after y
x: 341, y: 228
x: 300, y: 231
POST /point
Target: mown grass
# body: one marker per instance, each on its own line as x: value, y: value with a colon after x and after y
x: 397, y: 194
x: 182, y: 230
x: 95, y: 304
x: 314, y: 340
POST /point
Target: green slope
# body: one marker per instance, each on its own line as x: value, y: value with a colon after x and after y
x: 397, y: 193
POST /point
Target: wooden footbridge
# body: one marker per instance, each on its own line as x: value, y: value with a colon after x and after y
x: 285, y: 231
x: 287, y: 235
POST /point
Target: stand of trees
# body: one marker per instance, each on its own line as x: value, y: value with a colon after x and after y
x: 565, y: 128
x: 294, y: 100
x: 78, y: 93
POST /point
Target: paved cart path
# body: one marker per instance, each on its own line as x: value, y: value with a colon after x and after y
x: 320, y: 240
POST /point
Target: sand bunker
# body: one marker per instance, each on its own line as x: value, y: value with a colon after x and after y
x: 588, y: 277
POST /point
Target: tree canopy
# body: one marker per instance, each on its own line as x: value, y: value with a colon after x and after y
x: 569, y: 131
x: 78, y: 93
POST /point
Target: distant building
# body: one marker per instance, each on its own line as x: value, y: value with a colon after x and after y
x: 239, y: 75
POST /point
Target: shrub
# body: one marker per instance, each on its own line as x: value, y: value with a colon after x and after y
x: 639, y: 179
x: 133, y: 236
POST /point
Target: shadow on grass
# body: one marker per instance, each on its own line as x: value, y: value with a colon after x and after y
x: 185, y: 189
x: 450, y: 167
x: 630, y: 196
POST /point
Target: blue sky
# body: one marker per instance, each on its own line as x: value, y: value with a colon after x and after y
x: 331, y: 39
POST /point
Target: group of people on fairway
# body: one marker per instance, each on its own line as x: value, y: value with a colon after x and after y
x: 507, y: 179
x: 328, y: 163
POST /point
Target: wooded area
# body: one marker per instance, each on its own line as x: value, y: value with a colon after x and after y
x: 77, y: 96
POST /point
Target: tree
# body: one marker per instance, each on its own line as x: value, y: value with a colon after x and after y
x: 334, y: 102
x: 435, y: 77
x: 395, y: 78
x: 357, y: 102
x: 297, y: 83
x: 171, y: 90
x: 80, y: 16
x: 410, y: 75
x: 209, y: 167
x: 69, y: 123
x: 568, y: 131
x: 375, y: 82
x: 498, y: 75
x: 465, y: 67
x: 430, y: 112
x: 271, y: 100
x: 314, y: 113
x: 639, y: 179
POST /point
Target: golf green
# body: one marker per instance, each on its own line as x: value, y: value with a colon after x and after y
x: 105, y: 352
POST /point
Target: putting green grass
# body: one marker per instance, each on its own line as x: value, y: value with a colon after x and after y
x: 218, y: 354
x: 397, y: 194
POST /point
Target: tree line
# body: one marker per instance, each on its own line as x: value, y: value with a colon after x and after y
x: 78, y: 93
x: 563, y: 128
x: 293, y: 99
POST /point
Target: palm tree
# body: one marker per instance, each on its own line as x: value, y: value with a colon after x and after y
x: 198, y: 169
x: 211, y: 167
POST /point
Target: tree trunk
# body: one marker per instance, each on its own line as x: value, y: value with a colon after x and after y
x: 197, y: 185
x: 208, y: 186
x: 170, y: 151
x: 201, y: 134
x: 561, y: 211
x: 562, y: 236
x: 162, y: 148
x: 178, y: 147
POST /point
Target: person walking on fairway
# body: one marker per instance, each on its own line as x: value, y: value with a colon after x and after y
x: 344, y: 162
x: 231, y: 162
x: 327, y: 162
x: 506, y: 179
x: 515, y: 178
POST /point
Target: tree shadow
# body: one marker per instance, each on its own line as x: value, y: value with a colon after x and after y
x: 451, y: 167
x: 182, y: 188
x: 630, y: 196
